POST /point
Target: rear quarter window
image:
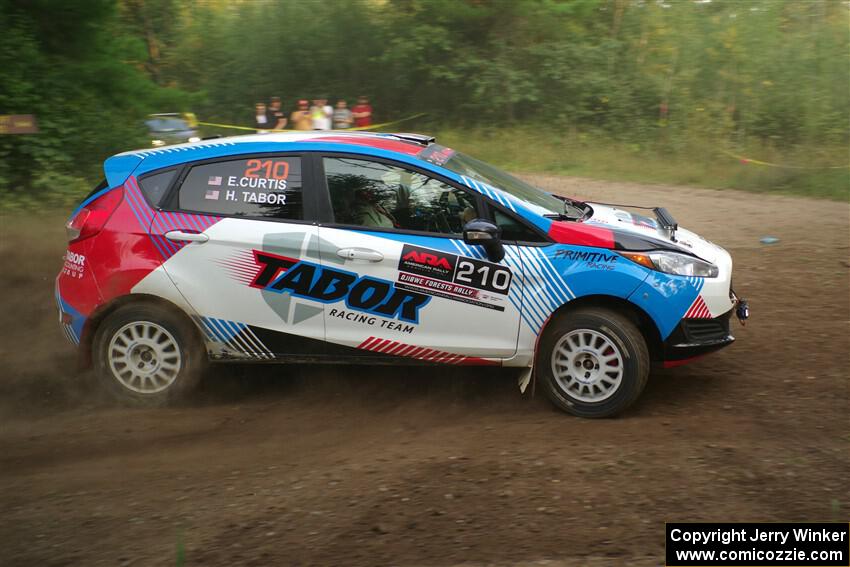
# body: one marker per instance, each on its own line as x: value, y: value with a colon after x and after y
x: 154, y: 186
x: 268, y: 187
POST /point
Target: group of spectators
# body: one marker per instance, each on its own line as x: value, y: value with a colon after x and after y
x: 318, y: 116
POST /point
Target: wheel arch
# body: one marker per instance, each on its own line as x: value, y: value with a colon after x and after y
x: 638, y: 316
x: 84, y: 353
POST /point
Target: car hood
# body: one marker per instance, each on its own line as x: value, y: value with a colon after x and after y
x: 648, y: 229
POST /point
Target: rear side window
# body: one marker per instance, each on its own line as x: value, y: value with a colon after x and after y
x: 267, y: 187
x: 154, y: 186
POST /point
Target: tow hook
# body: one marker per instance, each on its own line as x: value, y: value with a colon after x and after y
x: 742, y: 311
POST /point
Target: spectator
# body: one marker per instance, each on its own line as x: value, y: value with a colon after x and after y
x: 300, y: 117
x: 261, y: 119
x: 276, y: 118
x: 362, y: 113
x: 321, y: 113
x: 342, y: 116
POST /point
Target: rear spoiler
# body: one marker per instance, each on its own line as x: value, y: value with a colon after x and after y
x: 118, y: 168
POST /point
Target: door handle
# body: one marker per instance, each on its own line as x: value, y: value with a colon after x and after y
x: 360, y: 254
x: 181, y: 236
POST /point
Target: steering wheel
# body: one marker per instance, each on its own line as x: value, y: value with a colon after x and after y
x: 450, y: 213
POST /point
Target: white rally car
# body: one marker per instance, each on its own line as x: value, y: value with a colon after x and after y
x: 377, y: 249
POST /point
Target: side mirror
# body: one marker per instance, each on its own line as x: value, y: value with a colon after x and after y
x: 480, y: 232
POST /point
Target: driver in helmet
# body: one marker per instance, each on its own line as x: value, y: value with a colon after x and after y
x: 369, y: 211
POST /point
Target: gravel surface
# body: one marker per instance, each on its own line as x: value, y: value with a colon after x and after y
x: 297, y: 465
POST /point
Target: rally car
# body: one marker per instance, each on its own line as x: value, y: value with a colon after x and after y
x: 172, y: 128
x: 377, y: 248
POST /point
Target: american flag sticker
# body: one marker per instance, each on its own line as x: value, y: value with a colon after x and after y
x: 214, y: 180
x: 212, y: 194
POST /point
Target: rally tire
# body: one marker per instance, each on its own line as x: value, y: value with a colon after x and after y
x: 593, y: 362
x: 147, y: 355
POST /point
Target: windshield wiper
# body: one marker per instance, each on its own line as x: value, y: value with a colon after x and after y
x: 579, y: 214
x: 582, y: 209
x: 561, y: 217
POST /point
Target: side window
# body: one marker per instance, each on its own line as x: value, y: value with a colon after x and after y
x: 258, y: 187
x: 513, y: 229
x: 154, y: 186
x: 374, y: 194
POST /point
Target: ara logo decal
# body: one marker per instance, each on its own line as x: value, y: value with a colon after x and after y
x: 281, y: 274
x: 428, y: 259
x: 426, y: 262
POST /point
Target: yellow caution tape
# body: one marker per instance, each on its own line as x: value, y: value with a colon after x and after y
x: 371, y: 127
x: 232, y: 127
x: 746, y: 160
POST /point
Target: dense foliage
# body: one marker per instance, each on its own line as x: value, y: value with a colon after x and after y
x: 659, y: 76
x: 70, y: 64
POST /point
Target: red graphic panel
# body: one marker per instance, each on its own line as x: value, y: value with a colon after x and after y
x: 699, y: 310
x: 579, y: 234
x: 395, y: 348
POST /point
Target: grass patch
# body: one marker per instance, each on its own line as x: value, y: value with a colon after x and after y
x: 535, y: 151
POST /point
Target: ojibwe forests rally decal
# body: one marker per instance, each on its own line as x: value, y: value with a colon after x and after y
x: 458, y: 278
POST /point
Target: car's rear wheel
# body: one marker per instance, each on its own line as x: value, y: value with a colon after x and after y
x: 147, y: 355
x: 593, y: 362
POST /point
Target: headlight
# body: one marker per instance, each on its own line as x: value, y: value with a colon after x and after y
x: 673, y: 263
x: 157, y: 143
x: 194, y: 139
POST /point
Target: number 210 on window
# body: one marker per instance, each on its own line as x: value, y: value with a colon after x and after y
x: 268, y: 169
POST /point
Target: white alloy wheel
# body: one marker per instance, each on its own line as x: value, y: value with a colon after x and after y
x: 587, y: 365
x: 144, y: 357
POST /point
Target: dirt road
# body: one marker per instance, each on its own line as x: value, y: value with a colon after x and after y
x: 362, y: 466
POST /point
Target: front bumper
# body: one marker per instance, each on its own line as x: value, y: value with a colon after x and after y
x: 695, y: 337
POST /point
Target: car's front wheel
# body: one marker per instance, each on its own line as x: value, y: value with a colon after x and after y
x: 593, y: 362
x: 147, y: 355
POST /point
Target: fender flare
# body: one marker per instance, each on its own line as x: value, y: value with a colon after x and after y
x: 84, y: 351
x: 641, y: 318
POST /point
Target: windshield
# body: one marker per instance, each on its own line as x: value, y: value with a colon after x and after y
x: 480, y: 171
x: 167, y: 124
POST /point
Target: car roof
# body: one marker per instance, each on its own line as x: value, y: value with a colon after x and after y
x: 120, y: 166
x: 401, y: 143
